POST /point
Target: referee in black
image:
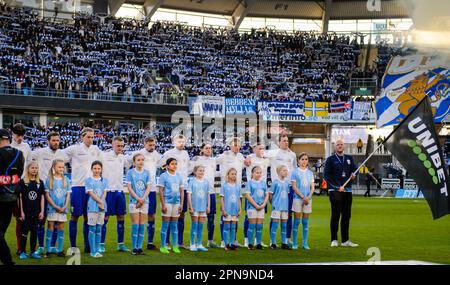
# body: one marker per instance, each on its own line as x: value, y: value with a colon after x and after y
x: 11, y: 169
x: 339, y: 167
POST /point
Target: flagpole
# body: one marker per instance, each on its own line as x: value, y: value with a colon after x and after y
x: 362, y: 164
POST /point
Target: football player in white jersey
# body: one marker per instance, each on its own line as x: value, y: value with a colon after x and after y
x: 206, y: 160
x: 18, y: 134
x: 256, y: 159
x: 231, y: 159
x: 113, y: 170
x: 151, y: 161
x: 182, y: 157
x: 283, y: 155
x: 81, y: 156
x: 44, y: 158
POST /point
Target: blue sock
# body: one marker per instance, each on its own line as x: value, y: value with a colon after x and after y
x: 273, y: 232
x: 289, y: 226
x: 251, y: 229
x: 193, y: 231
x: 141, y: 235
x: 91, y: 237
x: 41, y: 233
x: 174, y: 230
x: 48, y: 240
x: 151, y: 231
x: 54, y: 238
x: 168, y: 234
x: 60, y: 235
x: 98, y: 237
x: 120, y: 231
x: 233, y: 233
x: 134, y: 235
x: 102, y: 240
x: 85, y: 233
x: 305, y: 226
x: 259, y: 229
x: 295, y: 231
x: 200, y: 233
x: 226, y: 233
x: 246, y: 226
x: 164, y: 229
x: 221, y: 229
x: 180, y: 229
x: 73, y: 227
x: 210, y: 227
x: 283, y: 232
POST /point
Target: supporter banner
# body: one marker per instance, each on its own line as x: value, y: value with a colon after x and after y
x: 207, y: 106
x: 316, y: 109
x: 281, y: 110
x: 361, y: 110
x: 407, y: 80
x: 240, y: 106
x: 340, y: 107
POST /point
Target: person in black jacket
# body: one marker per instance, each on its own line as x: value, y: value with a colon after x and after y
x: 11, y: 169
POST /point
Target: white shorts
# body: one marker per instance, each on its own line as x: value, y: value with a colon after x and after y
x: 230, y: 218
x: 255, y: 214
x: 172, y: 211
x: 97, y: 218
x: 56, y: 217
x: 298, y: 206
x: 199, y: 214
x: 279, y: 215
x: 142, y: 210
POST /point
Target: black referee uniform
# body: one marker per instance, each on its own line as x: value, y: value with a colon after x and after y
x: 338, y: 169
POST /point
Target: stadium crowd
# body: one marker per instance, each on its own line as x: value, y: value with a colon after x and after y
x: 108, y: 58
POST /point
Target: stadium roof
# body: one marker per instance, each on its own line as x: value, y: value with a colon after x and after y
x: 302, y: 9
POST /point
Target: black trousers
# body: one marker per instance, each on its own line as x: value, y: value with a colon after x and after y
x: 6, y: 209
x: 368, y: 190
x: 29, y: 226
x: 341, y: 209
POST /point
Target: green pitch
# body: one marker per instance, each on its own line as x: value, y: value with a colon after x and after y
x: 402, y: 229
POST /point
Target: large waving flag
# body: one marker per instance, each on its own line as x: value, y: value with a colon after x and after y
x: 415, y: 144
x: 408, y: 79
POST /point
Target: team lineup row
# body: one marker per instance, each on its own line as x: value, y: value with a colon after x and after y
x: 96, y: 193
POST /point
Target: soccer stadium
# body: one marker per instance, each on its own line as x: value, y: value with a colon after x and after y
x: 224, y: 132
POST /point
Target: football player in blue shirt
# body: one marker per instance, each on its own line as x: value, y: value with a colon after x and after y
x: 302, y: 180
x: 257, y: 197
x: 171, y: 193
x: 57, y: 193
x: 139, y: 186
x: 230, y: 194
x: 96, y: 187
x: 278, y: 196
x: 199, y: 206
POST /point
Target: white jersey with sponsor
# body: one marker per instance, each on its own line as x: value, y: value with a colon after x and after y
x: 44, y: 158
x: 151, y: 164
x: 182, y: 158
x: 227, y: 160
x: 113, y: 169
x: 281, y: 157
x: 81, y: 158
x: 262, y: 162
x: 209, y: 163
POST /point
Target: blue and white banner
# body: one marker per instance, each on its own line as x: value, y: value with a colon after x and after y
x: 208, y: 106
x: 405, y: 193
x: 407, y: 80
x: 281, y: 110
x: 240, y: 106
x: 362, y: 111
